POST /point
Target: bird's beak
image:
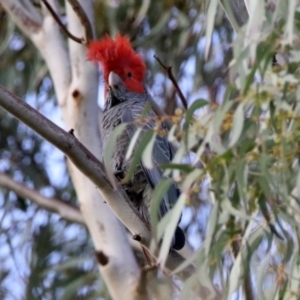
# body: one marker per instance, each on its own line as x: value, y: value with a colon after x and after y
x: 113, y: 80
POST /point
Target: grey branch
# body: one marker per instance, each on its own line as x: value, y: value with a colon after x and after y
x: 81, y: 158
x: 168, y: 69
x: 65, y: 210
x: 61, y: 25
x: 84, y: 20
x: 23, y: 17
x: 94, y: 170
x: 89, y: 165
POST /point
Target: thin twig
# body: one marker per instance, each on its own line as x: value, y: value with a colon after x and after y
x: 174, y: 81
x: 84, y: 20
x: 61, y: 25
x: 71, y: 131
x: 64, y: 209
x: 248, y: 288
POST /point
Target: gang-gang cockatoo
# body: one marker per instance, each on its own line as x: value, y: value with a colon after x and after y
x: 126, y: 99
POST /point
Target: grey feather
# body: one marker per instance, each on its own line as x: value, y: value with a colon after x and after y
x: 123, y: 106
x: 162, y: 154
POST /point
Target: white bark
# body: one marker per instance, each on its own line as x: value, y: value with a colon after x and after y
x: 93, y: 169
x: 76, y: 84
x: 76, y: 88
x: 81, y: 114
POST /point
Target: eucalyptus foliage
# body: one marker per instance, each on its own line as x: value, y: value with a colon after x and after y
x: 248, y: 147
x: 236, y: 161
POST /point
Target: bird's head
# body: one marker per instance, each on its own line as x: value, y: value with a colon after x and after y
x: 122, y: 67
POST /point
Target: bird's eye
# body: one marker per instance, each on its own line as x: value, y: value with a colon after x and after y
x: 129, y: 74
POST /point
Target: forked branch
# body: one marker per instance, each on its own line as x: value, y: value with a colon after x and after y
x: 61, y: 25
x: 168, y: 69
x: 84, y: 20
x: 88, y: 32
x: 81, y: 157
x: 65, y: 210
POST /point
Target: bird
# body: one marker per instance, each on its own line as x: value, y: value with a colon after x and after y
x: 126, y: 100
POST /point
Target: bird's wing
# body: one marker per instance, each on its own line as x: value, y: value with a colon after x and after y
x: 162, y: 153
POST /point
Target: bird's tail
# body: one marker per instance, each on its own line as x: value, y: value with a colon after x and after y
x: 178, y: 239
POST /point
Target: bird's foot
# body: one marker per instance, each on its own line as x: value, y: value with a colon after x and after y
x: 120, y: 174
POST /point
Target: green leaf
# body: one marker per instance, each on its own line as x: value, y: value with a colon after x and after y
x: 226, y: 205
x: 159, y: 192
x: 288, y: 245
x: 289, y: 29
x: 191, y: 178
x: 237, y: 126
x: 197, y: 104
x: 181, y: 167
x: 261, y: 272
x: 147, y: 153
x: 235, y: 276
x: 254, y: 240
x: 133, y: 143
x: 220, y: 114
x: 170, y: 229
x: 210, y: 17
x: 294, y: 275
x: 241, y: 179
x: 191, y: 137
x: 146, y: 137
x: 197, y: 255
x: 211, y: 228
x: 109, y: 150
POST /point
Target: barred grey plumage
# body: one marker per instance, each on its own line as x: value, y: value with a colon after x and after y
x: 124, y: 106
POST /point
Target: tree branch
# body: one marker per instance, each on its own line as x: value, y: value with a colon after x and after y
x: 61, y: 25
x: 48, y: 39
x: 84, y: 20
x: 70, y: 213
x: 81, y: 157
x: 248, y: 288
x: 28, y: 22
x: 65, y: 210
x: 31, y: 8
x: 168, y: 69
x: 84, y: 160
x: 76, y: 89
